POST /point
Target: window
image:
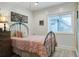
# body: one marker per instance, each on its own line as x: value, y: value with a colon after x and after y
x: 60, y: 23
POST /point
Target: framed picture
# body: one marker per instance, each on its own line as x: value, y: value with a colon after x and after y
x: 15, y: 17
x: 41, y: 22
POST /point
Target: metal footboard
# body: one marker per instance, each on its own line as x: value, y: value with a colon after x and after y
x: 50, y: 42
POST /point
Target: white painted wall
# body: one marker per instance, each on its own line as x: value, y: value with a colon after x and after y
x: 6, y: 11
x: 63, y: 40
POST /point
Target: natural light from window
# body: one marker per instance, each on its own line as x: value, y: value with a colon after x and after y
x: 60, y: 23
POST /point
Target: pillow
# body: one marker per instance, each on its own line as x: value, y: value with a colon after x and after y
x: 13, y: 34
x: 18, y: 34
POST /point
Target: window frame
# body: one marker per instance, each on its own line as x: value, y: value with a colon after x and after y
x: 72, y: 21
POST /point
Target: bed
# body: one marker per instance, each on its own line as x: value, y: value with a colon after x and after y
x: 34, y: 45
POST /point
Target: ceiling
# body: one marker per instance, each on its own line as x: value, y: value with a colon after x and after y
x: 30, y: 5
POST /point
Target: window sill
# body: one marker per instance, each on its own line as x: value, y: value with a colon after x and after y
x: 64, y: 33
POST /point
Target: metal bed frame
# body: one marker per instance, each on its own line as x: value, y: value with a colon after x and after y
x: 50, y: 33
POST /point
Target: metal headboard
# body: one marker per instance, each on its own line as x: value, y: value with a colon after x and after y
x: 19, y: 23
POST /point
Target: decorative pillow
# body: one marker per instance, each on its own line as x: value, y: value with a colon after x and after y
x: 13, y: 34
x: 18, y: 34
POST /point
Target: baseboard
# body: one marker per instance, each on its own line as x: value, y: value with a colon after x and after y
x: 65, y: 47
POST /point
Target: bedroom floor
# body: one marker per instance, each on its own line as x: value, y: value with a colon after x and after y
x: 60, y: 53
x: 64, y: 53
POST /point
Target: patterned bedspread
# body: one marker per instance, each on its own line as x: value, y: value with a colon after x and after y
x: 32, y: 44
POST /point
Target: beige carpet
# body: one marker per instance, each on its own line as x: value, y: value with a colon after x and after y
x: 64, y: 53
x: 59, y: 53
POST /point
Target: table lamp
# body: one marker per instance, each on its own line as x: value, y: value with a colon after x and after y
x: 3, y: 20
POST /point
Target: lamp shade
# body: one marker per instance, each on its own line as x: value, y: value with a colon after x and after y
x: 2, y: 19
